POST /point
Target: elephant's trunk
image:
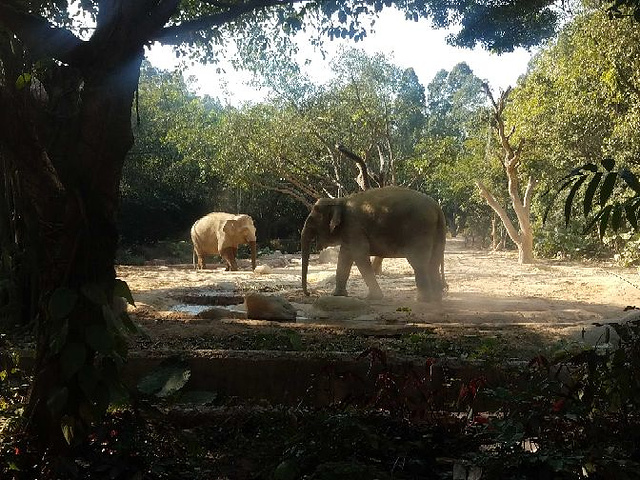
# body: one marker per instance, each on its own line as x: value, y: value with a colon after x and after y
x: 305, y: 245
x: 253, y: 247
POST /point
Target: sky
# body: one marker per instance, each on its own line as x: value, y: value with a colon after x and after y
x: 405, y: 43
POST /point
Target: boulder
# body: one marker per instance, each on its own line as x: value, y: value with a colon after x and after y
x: 269, y: 307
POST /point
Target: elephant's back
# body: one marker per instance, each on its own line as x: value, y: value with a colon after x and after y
x: 395, y: 203
x: 205, y: 230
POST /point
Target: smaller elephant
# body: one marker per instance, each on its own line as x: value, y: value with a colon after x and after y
x: 221, y: 233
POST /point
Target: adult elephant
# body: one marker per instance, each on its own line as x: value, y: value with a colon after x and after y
x: 382, y: 222
x: 221, y: 233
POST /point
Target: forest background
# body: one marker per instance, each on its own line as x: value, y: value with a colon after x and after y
x: 577, y: 104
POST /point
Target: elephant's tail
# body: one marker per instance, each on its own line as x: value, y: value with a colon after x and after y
x: 442, y: 233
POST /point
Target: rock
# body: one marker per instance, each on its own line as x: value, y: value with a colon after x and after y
x: 332, y: 303
x: 263, y: 270
x: 329, y: 255
x: 269, y: 307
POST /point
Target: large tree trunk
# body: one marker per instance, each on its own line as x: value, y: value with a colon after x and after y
x: 71, y: 172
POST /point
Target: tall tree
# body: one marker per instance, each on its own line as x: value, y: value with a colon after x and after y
x: 66, y: 93
x: 522, y: 234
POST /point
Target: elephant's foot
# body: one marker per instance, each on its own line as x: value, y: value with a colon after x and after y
x: 375, y: 295
x: 340, y: 292
x: 428, y: 297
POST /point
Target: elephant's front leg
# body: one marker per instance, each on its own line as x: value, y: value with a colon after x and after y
x: 229, y: 256
x: 367, y: 271
x: 343, y: 269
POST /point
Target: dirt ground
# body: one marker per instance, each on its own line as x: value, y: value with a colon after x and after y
x: 489, y: 293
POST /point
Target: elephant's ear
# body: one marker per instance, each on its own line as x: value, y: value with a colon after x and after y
x: 336, y: 217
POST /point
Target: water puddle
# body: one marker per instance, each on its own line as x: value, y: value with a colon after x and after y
x: 195, y: 303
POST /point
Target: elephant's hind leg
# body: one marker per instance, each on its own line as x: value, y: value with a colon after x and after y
x: 424, y: 283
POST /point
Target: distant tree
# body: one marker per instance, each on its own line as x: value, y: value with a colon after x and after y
x: 512, y: 152
x: 164, y: 188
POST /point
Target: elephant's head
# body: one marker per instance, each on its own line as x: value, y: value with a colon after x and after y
x: 322, y: 226
x: 240, y: 230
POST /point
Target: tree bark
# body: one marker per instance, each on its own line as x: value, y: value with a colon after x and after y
x: 68, y: 149
x: 522, y: 235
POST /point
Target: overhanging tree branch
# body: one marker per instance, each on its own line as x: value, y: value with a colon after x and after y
x: 44, y: 39
x: 176, y: 34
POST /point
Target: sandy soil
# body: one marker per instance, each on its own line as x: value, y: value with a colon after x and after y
x: 488, y: 292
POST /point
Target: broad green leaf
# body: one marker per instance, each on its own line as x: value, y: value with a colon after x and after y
x: 631, y: 216
x: 68, y: 425
x: 72, y: 359
x: 62, y: 302
x: 607, y: 187
x: 23, y: 80
x: 593, y: 221
x: 94, y: 292
x: 630, y: 179
x: 616, y: 218
x: 568, y: 204
x: 59, y: 338
x: 170, y: 376
x: 590, y: 192
x: 128, y: 323
x: 608, y: 164
x: 58, y: 400
x: 121, y: 289
x: 99, y: 338
x: 604, y: 220
x: 88, y: 378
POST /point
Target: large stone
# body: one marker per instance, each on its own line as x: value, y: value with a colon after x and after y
x: 269, y: 307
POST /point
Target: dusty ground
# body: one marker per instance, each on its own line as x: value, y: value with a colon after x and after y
x: 489, y: 294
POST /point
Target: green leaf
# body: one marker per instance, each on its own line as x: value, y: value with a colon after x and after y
x: 59, y: 338
x: 99, y: 338
x: 616, y: 218
x: 128, y: 323
x: 68, y: 425
x: 590, y: 192
x: 72, y: 359
x: 88, y: 379
x: 568, y: 204
x: 608, y: 164
x: 62, y: 302
x: 23, y: 80
x: 121, y: 289
x: 170, y: 376
x: 58, y: 400
x: 630, y: 179
x: 607, y: 187
x: 631, y: 216
x: 604, y: 220
x: 95, y: 293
